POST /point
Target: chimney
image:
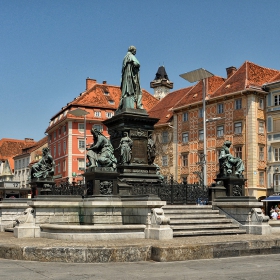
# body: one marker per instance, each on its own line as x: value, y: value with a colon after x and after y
x: 230, y: 71
x: 90, y: 83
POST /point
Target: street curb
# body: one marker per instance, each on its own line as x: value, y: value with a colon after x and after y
x: 140, y: 253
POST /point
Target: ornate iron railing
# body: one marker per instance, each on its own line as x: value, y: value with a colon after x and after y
x: 168, y: 190
x: 65, y: 189
x: 174, y: 192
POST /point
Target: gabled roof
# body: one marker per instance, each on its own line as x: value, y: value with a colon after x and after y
x: 195, y: 94
x: 101, y: 96
x: 275, y: 78
x: 6, y: 169
x: 11, y: 147
x: 37, y: 145
x: 163, y: 110
x: 249, y: 75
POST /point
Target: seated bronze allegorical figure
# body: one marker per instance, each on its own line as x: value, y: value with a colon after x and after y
x: 44, y: 168
x: 228, y: 163
x: 101, y: 152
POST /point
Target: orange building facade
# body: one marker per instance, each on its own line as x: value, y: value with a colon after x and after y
x: 235, y: 111
x: 66, y: 132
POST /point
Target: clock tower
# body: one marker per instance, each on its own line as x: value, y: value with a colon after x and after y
x: 161, y: 83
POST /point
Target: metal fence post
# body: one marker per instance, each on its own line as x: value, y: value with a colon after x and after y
x: 172, y: 189
x: 186, y: 190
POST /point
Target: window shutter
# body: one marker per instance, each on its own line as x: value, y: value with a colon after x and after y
x: 276, y: 125
x: 269, y: 100
x: 269, y: 124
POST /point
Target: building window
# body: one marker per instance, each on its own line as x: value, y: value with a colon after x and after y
x: 238, y: 152
x: 58, y: 167
x: 200, y: 113
x: 59, y: 131
x: 59, y: 149
x: 238, y: 128
x: 276, y: 182
x: 185, y: 117
x: 109, y: 115
x: 81, y: 127
x: 164, y: 137
x: 220, y: 108
x: 64, y: 128
x: 184, y: 159
x: 200, y: 134
x: 164, y: 160
x: 64, y: 165
x: 54, y: 150
x: 81, y: 144
x: 81, y: 164
x: 238, y: 104
x: 50, y: 137
x: 261, y: 152
x: 54, y: 135
x: 97, y: 127
x: 276, y: 125
x: 261, y: 178
x: 97, y: 114
x: 185, y: 137
x: 276, y: 100
x: 261, y: 127
x: 261, y: 103
x: 220, y: 131
x: 276, y: 154
x: 23, y: 163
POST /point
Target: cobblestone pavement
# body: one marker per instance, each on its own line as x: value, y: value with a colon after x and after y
x: 245, y: 268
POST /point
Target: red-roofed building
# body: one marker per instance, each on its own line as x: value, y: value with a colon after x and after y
x: 273, y: 133
x: 11, y: 147
x: 66, y: 138
x: 237, y: 107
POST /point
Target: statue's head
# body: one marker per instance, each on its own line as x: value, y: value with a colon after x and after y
x: 227, y: 143
x: 125, y: 134
x: 95, y: 132
x: 132, y: 49
x: 45, y: 150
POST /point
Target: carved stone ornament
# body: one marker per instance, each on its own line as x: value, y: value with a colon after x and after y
x: 158, y: 217
x: 27, y: 217
x: 106, y: 187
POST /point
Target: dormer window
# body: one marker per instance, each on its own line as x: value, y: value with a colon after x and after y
x: 97, y: 114
x: 111, y: 101
x: 106, y: 92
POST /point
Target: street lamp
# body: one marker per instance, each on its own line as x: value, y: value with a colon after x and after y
x: 82, y: 113
x: 195, y: 76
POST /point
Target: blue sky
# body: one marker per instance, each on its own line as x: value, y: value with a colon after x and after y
x: 49, y: 48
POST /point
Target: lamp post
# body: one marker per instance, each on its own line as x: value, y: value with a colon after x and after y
x: 82, y: 113
x: 195, y: 76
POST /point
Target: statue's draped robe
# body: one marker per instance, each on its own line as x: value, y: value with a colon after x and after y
x: 130, y: 84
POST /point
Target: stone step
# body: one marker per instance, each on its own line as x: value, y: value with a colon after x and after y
x: 195, y: 216
x: 189, y: 211
x: 187, y: 207
x: 205, y: 226
x: 208, y: 232
x: 200, y: 221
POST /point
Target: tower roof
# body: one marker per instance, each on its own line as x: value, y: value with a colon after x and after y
x: 161, y: 73
x: 161, y: 79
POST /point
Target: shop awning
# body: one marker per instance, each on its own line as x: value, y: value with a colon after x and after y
x: 272, y: 198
